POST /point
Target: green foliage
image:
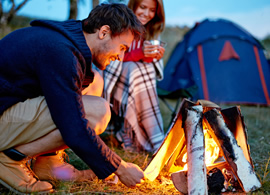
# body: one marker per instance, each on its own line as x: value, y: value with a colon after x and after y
x: 172, y: 35
x: 266, y: 44
x: 266, y: 41
x: 16, y: 23
x: 20, y: 22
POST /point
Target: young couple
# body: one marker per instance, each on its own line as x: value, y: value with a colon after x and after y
x: 43, y: 106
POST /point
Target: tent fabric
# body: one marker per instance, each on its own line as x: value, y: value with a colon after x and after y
x: 218, y: 60
x: 228, y: 52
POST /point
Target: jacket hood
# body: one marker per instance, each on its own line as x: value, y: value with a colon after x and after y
x: 72, y: 30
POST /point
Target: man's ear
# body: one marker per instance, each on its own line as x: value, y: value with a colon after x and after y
x: 104, y: 31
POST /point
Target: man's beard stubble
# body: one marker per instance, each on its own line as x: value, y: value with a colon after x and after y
x: 100, y: 59
x: 99, y: 65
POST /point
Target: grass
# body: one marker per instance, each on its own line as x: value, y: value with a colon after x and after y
x: 257, y: 120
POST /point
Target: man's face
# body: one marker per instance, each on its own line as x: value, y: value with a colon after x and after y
x: 112, y: 49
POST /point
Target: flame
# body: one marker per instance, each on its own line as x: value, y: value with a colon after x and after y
x: 185, y: 168
x: 212, y: 151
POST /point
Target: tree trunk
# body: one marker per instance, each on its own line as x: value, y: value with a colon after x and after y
x: 73, y: 9
x: 95, y: 3
x: 5, y: 18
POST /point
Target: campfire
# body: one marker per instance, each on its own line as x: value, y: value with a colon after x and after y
x: 206, y: 151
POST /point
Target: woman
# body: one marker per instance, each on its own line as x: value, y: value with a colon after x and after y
x: 131, y: 86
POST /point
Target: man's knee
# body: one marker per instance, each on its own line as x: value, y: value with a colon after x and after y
x: 97, y: 112
x: 103, y: 112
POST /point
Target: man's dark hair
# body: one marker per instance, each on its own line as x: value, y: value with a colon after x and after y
x: 118, y: 16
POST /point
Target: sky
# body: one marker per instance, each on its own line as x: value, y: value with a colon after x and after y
x: 253, y: 15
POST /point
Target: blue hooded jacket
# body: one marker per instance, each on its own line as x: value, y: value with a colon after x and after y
x: 52, y: 59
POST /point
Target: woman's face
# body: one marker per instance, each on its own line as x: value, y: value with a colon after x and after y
x: 146, y: 11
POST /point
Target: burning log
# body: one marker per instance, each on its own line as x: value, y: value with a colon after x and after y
x: 225, y: 138
x: 233, y: 153
x: 215, y: 181
x: 197, y: 181
x: 235, y: 122
x: 173, y: 139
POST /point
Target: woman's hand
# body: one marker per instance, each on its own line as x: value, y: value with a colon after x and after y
x: 152, y: 51
x: 160, y: 53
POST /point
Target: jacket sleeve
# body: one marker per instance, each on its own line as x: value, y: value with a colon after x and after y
x: 60, y: 74
x: 136, y: 55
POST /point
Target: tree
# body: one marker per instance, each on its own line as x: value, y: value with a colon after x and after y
x: 95, y: 3
x: 73, y: 6
x: 6, y: 17
x: 73, y: 9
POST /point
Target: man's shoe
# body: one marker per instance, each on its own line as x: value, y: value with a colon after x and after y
x: 19, y: 178
x: 54, y: 167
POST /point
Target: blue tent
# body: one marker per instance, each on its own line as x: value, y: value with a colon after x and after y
x: 218, y: 61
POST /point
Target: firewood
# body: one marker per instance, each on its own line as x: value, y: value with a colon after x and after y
x: 166, y: 150
x: 233, y: 153
x: 180, y: 181
x: 172, y: 140
x: 196, y: 177
x: 235, y: 122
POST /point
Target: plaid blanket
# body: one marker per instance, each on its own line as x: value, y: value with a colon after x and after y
x: 131, y: 89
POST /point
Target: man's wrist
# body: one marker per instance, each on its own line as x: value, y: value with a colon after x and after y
x: 120, y: 169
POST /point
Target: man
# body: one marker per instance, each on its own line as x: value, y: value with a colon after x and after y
x: 42, y: 109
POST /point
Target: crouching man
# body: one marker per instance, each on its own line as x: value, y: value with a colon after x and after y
x: 42, y: 107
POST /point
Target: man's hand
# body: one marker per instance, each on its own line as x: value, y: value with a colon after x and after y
x: 129, y: 174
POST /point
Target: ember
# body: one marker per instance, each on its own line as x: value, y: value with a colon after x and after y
x: 210, y: 151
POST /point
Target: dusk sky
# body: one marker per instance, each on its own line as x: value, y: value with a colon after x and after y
x: 253, y: 15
